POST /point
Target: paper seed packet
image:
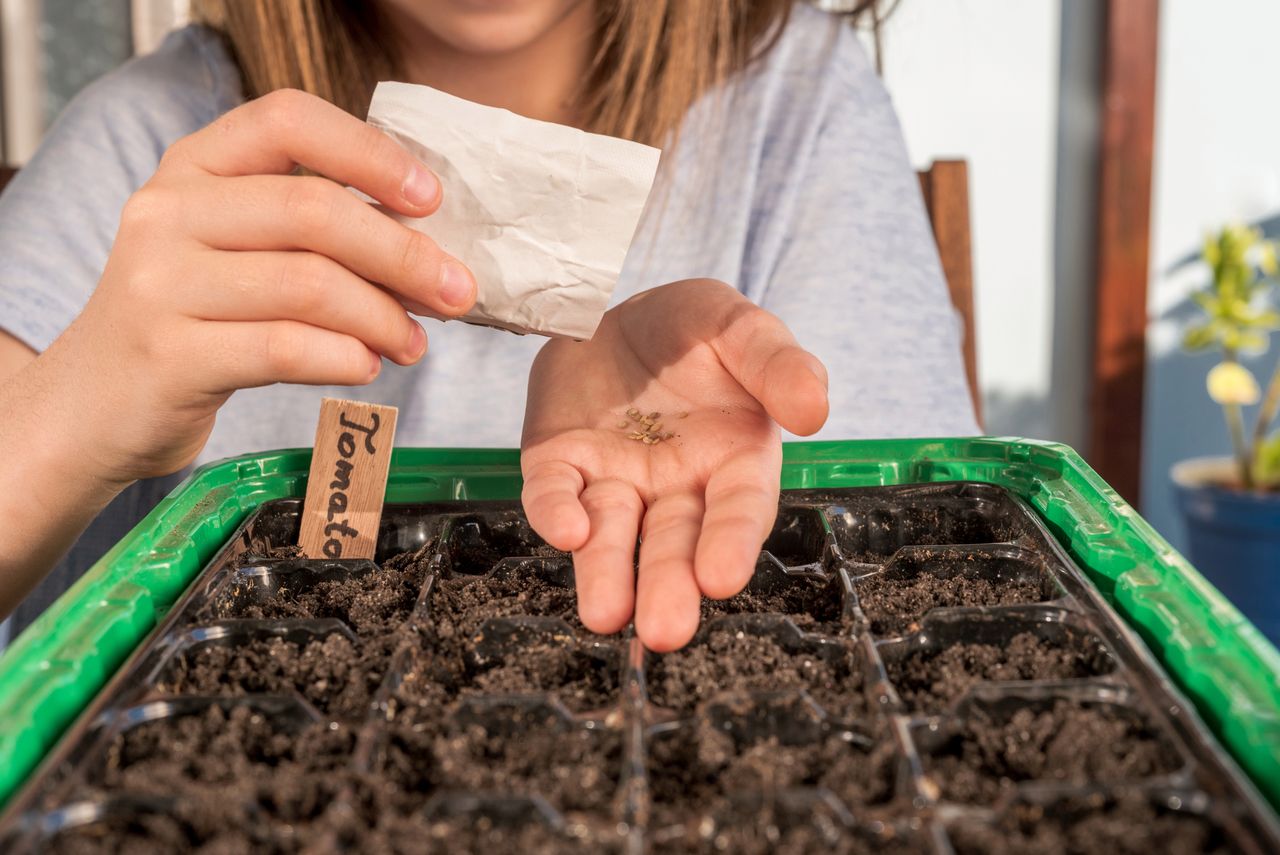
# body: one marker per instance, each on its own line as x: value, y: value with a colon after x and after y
x: 542, y: 214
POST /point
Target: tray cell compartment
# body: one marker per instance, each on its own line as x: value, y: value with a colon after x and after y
x: 369, y: 598
x: 816, y: 601
x: 528, y: 749
x: 321, y: 661
x: 996, y: 742
x: 769, y: 743
x: 753, y: 653
x: 476, y: 542
x: 935, y: 667
x: 920, y: 579
x: 870, y: 528
x: 1119, y: 820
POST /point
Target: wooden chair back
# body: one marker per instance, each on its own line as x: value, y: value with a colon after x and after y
x: 945, y: 185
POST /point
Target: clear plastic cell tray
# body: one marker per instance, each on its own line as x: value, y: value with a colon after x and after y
x: 912, y: 668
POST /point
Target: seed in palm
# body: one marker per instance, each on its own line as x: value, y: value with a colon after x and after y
x: 646, y: 429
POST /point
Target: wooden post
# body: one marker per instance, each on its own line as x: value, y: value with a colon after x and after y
x: 945, y: 186
x: 1124, y: 229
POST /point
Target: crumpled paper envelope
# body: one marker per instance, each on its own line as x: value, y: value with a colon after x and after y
x: 542, y: 214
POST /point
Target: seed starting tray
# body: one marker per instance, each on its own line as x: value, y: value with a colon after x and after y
x: 912, y: 668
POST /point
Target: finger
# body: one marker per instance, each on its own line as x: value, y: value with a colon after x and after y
x: 603, y: 568
x: 550, y: 497
x: 275, y: 212
x: 762, y: 354
x: 287, y: 128
x: 242, y: 355
x: 794, y: 390
x: 742, y: 502
x: 667, y: 596
x: 307, y: 287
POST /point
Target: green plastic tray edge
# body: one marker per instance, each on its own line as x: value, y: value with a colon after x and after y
x: 1224, y: 665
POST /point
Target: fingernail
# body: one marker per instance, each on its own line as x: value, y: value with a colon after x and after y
x: 375, y: 364
x: 456, y: 285
x: 421, y: 188
x: 417, y: 342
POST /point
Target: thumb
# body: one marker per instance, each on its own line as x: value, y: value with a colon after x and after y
x: 758, y: 350
x: 794, y: 390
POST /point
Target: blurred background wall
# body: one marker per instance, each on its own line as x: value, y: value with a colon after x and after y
x: 1009, y: 85
x: 981, y: 80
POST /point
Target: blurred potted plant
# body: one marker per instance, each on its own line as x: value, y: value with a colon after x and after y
x: 1231, y: 506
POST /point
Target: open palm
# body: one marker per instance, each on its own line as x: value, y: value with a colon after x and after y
x: 722, y: 374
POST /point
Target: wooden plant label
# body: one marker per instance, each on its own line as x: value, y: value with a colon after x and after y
x: 348, y: 479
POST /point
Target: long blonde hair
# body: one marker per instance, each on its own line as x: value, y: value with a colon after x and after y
x: 653, y: 58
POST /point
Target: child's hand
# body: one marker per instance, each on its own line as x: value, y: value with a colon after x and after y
x: 229, y: 272
x: 704, y: 500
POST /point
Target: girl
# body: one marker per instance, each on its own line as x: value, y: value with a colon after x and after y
x: 161, y: 252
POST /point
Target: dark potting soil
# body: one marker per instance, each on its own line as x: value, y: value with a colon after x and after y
x: 815, y: 605
x: 735, y: 661
x: 467, y: 663
x: 480, y: 835
x: 1128, y: 825
x: 581, y: 678
x: 430, y: 745
x: 574, y: 768
x: 695, y: 770
x: 404, y: 769
x: 581, y: 681
x: 136, y: 835
x: 929, y: 680
x: 1070, y: 743
x: 377, y: 826
x: 469, y: 601
x: 895, y: 605
x: 372, y: 603
x: 235, y: 776
x: 334, y: 675
x: 758, y: 834
x: 243, y: 784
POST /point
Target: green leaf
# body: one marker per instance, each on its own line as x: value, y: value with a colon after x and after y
x: 1253, y: 342
x: 1266, y: 464
x: 1267, y: 319
x: 1205, y: 300
x: 1238, y: 301
x: 1199, y: 338
x: 1210, y: 251
x: 1267, y: 258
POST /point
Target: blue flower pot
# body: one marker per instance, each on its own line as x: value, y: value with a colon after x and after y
x: 1233, y: 539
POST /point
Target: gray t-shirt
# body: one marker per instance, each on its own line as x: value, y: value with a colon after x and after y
x: 793, y: 185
